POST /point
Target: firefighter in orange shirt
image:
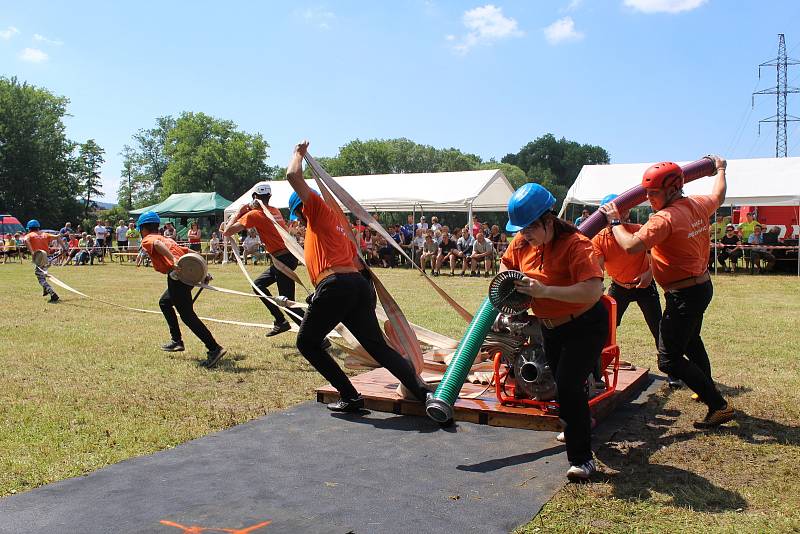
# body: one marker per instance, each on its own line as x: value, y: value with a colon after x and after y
x: 677, y: 236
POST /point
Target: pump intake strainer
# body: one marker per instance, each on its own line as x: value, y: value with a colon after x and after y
x: 504, y: 296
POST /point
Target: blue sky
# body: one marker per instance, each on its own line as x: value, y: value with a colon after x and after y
x: 646, y: 79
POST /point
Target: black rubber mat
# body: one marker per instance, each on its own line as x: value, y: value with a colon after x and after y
x: 306, y: 470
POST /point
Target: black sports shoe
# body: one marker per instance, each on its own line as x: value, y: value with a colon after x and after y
x: 716, y: 417
x: 674, y: 383
x: 214, y: 356
x: 53, y: 298
x: 279, y: 328
x: 347, y: 405
x: 44, y: 292
x: 173, y: 346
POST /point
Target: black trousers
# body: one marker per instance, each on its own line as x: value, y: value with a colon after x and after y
x: 178, y: 296
x: 572, y: 350
x: 647, y: 299
x: 681, y: 352
x: 285, y: 287
x: 349, y: 298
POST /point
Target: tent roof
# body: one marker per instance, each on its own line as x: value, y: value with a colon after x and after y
x: 188, y: 205
x: 487, y: 190
x: 751, y: 182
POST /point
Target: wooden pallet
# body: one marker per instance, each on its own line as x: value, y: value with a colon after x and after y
x: 378, y: 388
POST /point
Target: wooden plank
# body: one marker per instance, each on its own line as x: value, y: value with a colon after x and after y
x: 378, y: 388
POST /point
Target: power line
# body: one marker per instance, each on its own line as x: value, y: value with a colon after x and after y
x: 781, y: 89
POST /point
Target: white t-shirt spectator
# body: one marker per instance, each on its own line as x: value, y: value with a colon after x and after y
x: 122, y: 232
x: 100, y: 232
x: 465, y: 245
x: 422, y: 226
x: 436, y: 226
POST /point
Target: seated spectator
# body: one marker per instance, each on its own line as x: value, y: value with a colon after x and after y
x: 215, y: 247
x: 730, y: 247
x: 251, y: 246
x: 22, y: 247
x: 370, y: 250
x: 429, y: 251
x: 82, y: 258
x: 435, y: 223
x: 95, y: 250
x: 771, y: 237
x: 760, y: 253
x: 485, y: 229
x: 387, y: 252
x: 482, y: 251
x: 417, y: 244
x: 503, y: 245
x: 74, y: 249
x: 584, y: 215
x: 437, y: 236
x: 422, y: 224
x: 447, y: 251
x: 464, y: 248
x: 495, y: 237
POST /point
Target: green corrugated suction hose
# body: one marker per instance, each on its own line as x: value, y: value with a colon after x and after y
x: 439, y: 407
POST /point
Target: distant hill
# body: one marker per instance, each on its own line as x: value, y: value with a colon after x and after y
x: 105, y: 205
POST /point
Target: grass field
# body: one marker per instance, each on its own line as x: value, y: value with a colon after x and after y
x: 85, y: 385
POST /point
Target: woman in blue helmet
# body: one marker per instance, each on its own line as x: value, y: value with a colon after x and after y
x: 566, y: 283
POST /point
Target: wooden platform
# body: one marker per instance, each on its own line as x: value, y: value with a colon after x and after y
x: 378, y: 388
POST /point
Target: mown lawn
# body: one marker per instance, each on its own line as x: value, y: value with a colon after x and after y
x: 85, y: 385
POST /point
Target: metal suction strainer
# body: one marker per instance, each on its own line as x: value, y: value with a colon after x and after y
x: 504, y: 296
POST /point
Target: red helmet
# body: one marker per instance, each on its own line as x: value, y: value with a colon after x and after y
x: 662, y: 176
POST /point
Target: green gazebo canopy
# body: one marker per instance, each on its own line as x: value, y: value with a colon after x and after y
x: 188, y: 205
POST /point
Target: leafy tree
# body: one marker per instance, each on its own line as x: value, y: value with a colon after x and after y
x: 87, y: 169
x: 395, y: 156
x: 208, y: 154
x: 114, y: 215
x: 555, y: 163
x: 144, y: 165
x: 35, y: 155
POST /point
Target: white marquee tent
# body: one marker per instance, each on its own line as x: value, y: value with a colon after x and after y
x: 751, y: 182
x: 487, y: 190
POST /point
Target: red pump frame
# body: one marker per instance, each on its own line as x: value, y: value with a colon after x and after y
x: 609, y: 359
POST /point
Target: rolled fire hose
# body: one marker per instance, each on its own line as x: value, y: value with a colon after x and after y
x: 439, y: 406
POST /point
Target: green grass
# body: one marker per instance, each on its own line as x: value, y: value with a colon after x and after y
x: 85, y: 385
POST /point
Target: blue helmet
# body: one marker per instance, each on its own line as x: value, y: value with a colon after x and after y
x: 33, y: 223
x: 608, y: 198
x: 295, y: 202
x: 147, y: 217
x: 527, y: 204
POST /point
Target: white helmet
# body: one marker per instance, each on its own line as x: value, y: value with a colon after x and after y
x: 263, y: 188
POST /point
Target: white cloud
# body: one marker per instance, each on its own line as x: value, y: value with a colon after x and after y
x: 664, y: 6
x: 485, y: 25
x: 562, y: 30
x: 43, y: 39
x: 8, y: 33
x: 318, y: 17
x: 573, y: 5
x: 32, y: 55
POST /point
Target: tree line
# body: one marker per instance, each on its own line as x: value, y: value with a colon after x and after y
x: 47, y: 175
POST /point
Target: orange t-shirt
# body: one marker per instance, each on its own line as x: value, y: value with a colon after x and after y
x: 255, y: 218
x: 160, y: 263
x: 621, y: 267
x: 678, y: 237
x: 563, y: 262
x: 326, y: 244
x: 38, y: 241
